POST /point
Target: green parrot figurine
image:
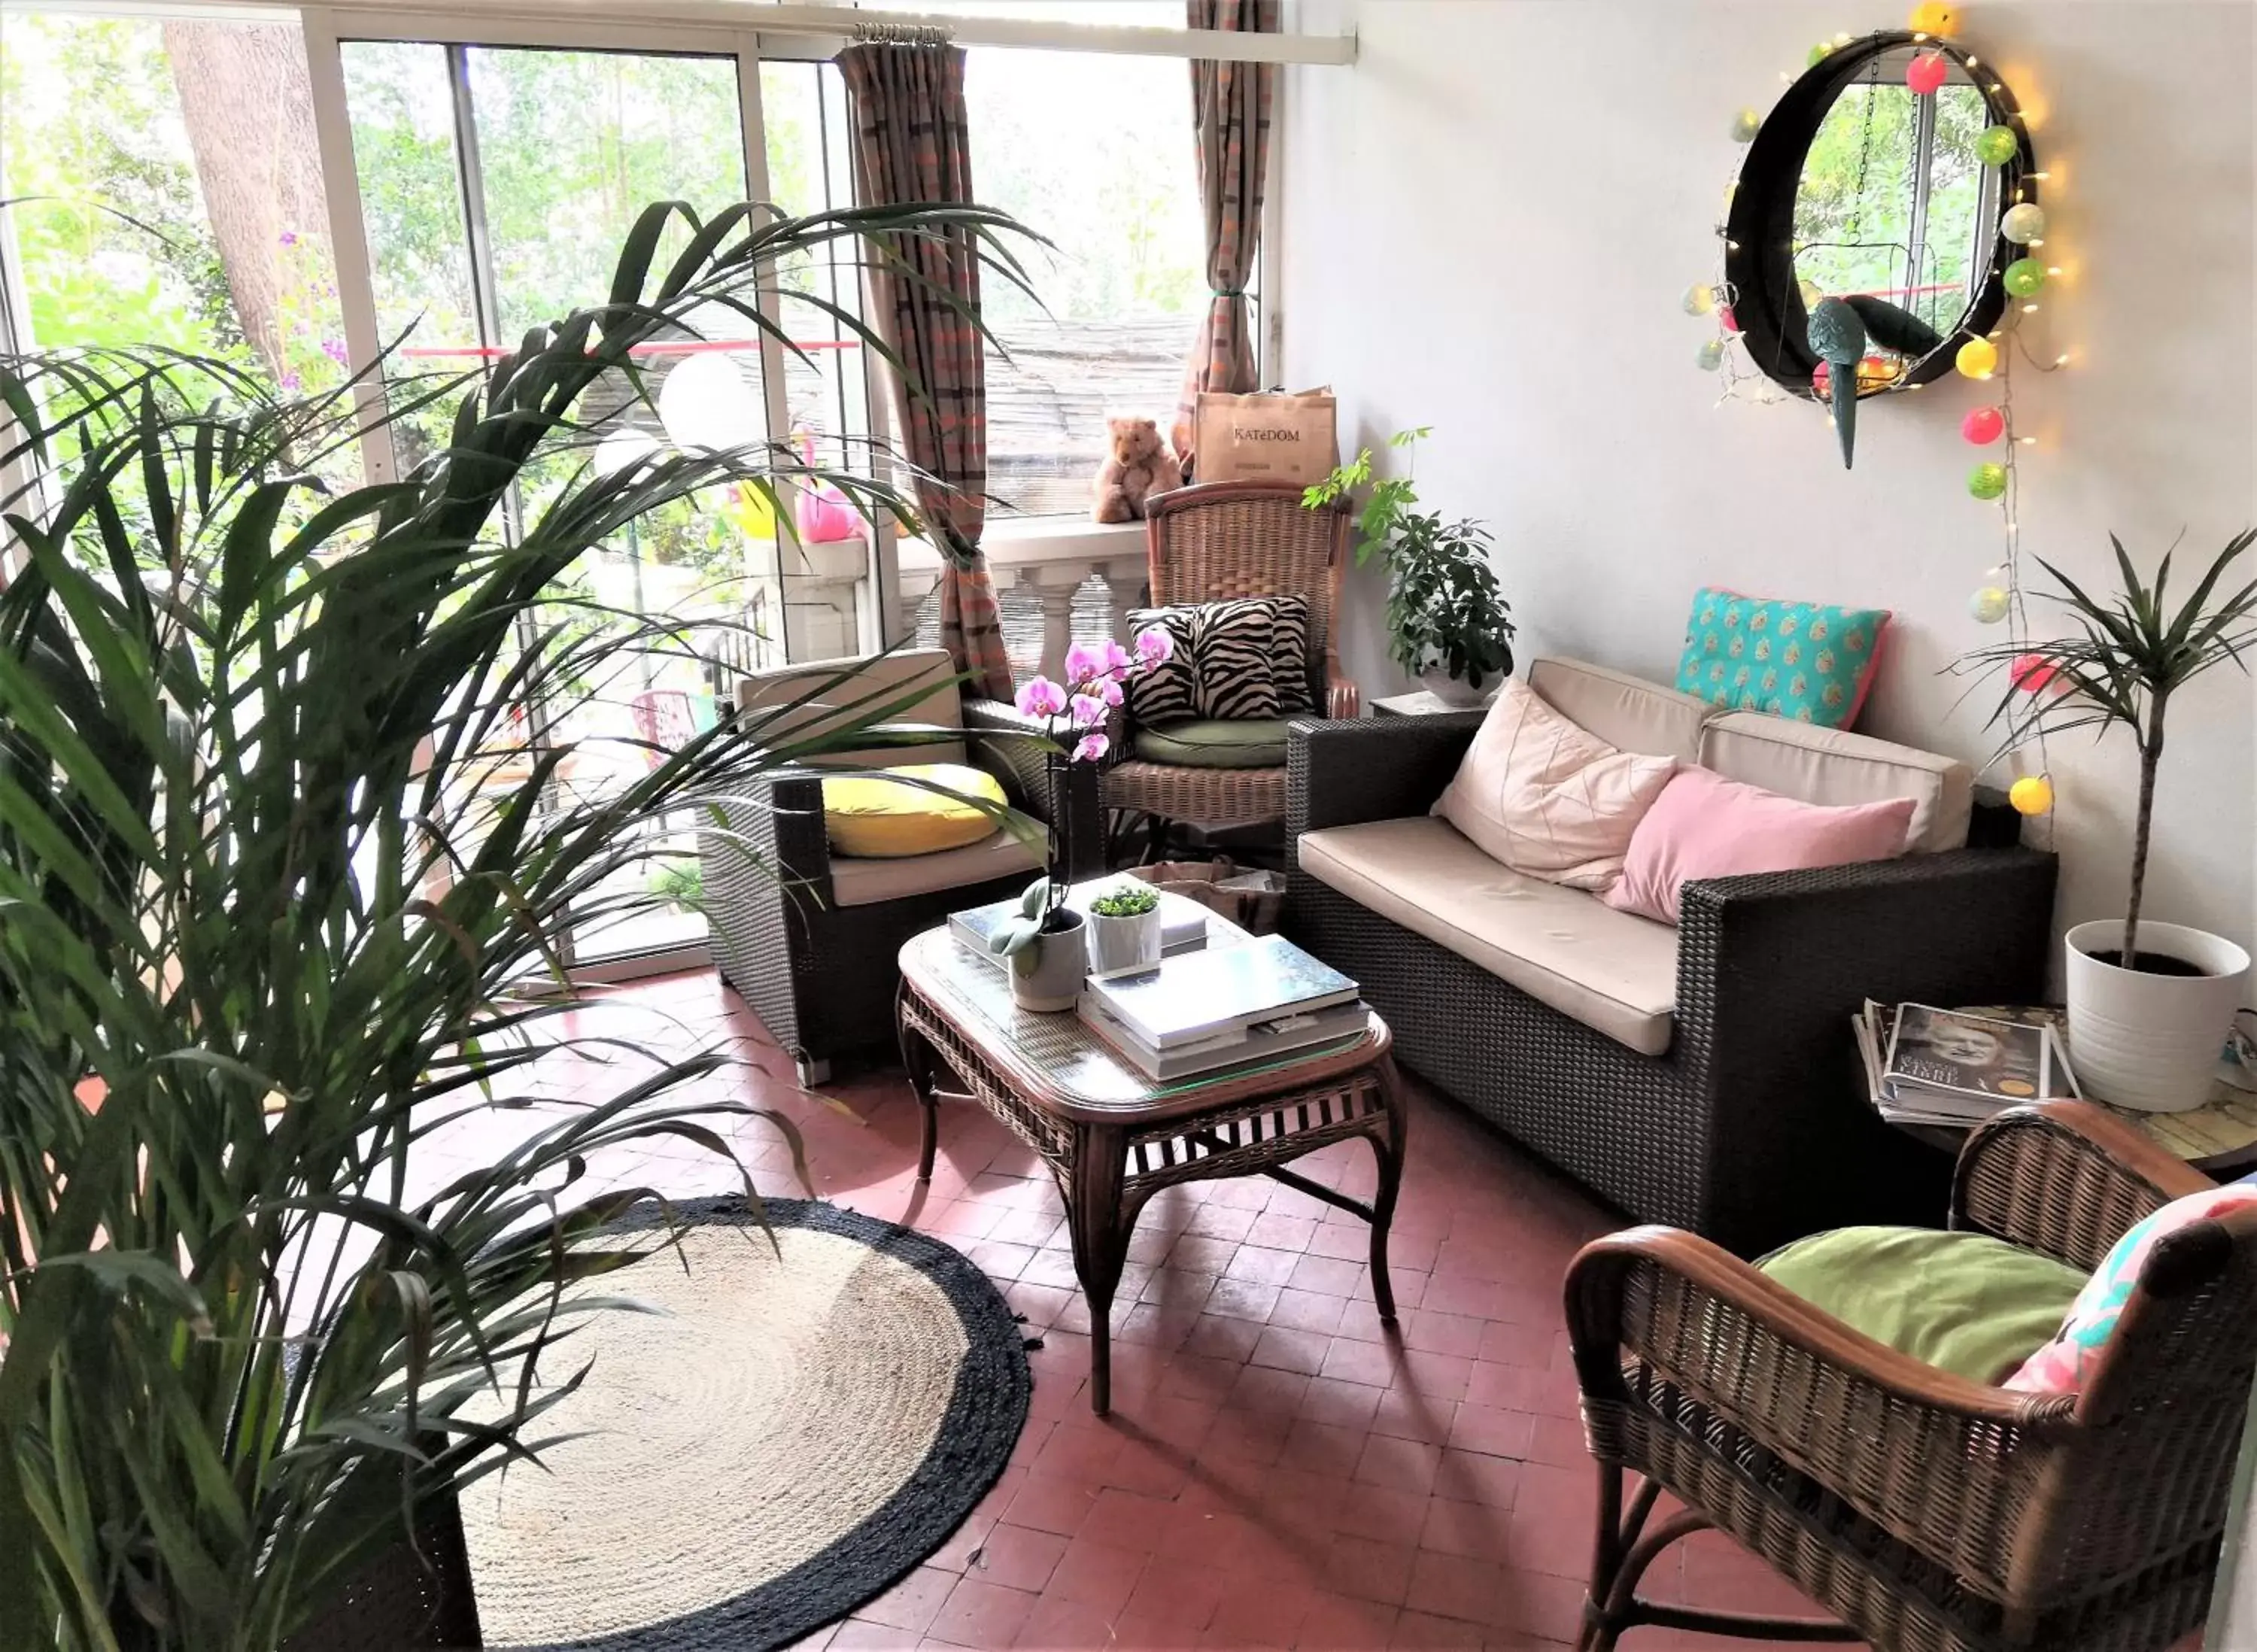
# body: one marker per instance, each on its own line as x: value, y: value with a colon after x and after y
x: 1837, y: 338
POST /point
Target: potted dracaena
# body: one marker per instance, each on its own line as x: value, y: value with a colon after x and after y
x: 2150, y: 1003
x: 1447, y: 622
x: 283, y: 896
x: 1044, y: 944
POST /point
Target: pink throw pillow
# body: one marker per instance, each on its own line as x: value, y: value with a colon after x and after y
x: 1546, y: 796
x: 1705, y: 826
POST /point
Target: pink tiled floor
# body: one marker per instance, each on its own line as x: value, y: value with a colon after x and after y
x: 1279, y: 1471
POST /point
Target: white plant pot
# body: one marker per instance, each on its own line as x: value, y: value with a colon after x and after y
x: 1122, y: 946
x: 1048, y: 975
x: 1455, y: 690
x: 2147, y: 1042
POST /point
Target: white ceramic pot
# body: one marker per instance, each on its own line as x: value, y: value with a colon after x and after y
x: 1122, y: 946
x: 2144, y: 1041
x: 1455, y: 690
x: 1048, y: 975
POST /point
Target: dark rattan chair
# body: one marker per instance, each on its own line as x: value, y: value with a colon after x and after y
x: 413, y: 1596
x: 820, y: 971
x: 1931, y: 1513
x: 1210, y: 543
x: 1752, y: 1129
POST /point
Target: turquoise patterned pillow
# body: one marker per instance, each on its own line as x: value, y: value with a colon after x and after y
x: 1810, y: 661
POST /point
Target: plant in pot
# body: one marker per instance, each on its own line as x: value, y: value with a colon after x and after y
x: 1124, y: 929
x: 1044, y: 944
x: 284, y: 897
x: 1447, y: 621
x: 2150, y: 1004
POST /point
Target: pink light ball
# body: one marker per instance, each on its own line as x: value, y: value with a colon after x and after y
x: 1727, y: 321
x: 1983, y: 426
x: 2032, y: 673
x: 1926, y: 73
x: 1821, y: 375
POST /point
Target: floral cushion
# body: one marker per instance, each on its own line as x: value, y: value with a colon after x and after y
x: 2067, y: 1363
x: 1812, y: 662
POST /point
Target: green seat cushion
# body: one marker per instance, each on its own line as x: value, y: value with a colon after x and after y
x: 1960, y: 1301
x: 1248, y: 742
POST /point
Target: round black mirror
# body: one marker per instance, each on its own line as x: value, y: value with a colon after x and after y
x: 1888, y: 195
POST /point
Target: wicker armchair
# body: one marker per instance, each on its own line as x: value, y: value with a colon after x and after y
x: 1211, y: 542
x: 799, y: 936
x: 1930, y: 1513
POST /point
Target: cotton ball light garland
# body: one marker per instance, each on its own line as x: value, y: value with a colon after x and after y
x: 1926, y: 73
x: 2025, y: 276
x: 1987, y: 480
x: 1745, y: 124
x: 1983, y: 426
x: 2024, y: 224
x: 1990, y: 604
x: 2032, y: 795
x: 1700, y: 298
x: 1977, y: 359
x: 1711, y: 356
x: 1996, y: 145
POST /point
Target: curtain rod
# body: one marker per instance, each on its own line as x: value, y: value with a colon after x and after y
x: 821, y: 21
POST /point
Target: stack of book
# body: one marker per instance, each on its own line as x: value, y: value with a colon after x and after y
x: 1224, y: 1006
x: 1955, y: 1067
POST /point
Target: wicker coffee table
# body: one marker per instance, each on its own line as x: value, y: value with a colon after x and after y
x: 1113, y: 1137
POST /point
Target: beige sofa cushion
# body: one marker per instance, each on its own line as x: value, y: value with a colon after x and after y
x: 864, y: 883
x: 1614, y: 972
x: 1834, y: 767
x: 862, y: 687
x: 1547, y: 797
x: 1628, y: 713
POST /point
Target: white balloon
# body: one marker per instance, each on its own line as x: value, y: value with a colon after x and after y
x: 705, y: 403
x: 623, y: 450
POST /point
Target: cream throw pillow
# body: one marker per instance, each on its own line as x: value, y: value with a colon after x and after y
x: 1548, y: 797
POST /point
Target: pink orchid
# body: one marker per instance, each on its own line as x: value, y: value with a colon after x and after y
x: 1040, y: 698
x: 1093, y: 747
x: 1155, y: 646
x: 1083, y: 663
x: 1109, y: 691
x: 1117, y: 658
x: 1088, y: 710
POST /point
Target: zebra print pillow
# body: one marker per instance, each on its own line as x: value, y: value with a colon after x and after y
x: 1168, y: 692
x: 1232, y: 646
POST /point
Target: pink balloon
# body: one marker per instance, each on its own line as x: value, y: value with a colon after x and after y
x: 2031, y: 673
x: 1983, y: 426
x: 1926, y: 73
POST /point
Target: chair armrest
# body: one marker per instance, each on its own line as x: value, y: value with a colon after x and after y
x: 1015, y: 748
x: 1374, y: 768
x: 1946, y: 1463
x: 2065, y: 1178
x: 768, y: 844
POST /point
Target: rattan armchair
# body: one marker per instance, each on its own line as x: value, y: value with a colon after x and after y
x: 1930, y: 1513
x: 1209, y: 543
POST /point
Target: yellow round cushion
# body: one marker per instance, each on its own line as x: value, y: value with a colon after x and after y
x: 876, y: 817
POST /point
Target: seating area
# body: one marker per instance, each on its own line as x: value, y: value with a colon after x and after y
x: 1160, y: 826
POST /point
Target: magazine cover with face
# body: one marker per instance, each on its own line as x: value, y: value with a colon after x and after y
x: 1974, y: 1055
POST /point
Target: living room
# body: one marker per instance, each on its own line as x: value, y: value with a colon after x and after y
x: 1103, y: 823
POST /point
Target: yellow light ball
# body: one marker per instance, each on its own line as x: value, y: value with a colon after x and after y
x: 1989, y: 604
x: 2032, y: 795
x: 1936, y: 18
x: 1977, y: 359
x: 1699, y: 301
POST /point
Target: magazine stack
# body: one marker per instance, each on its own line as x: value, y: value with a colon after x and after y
x: 1224, y: 1006
x: 1955, y: 1067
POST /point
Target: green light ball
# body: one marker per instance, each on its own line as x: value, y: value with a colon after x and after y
x: 1819, y: 54
x: 1745, y: 124
x: 1996, y: 145
x: 1989, y: 604
x: 1711, y: 356
x: 1987, y: 481
x: 2024, y: 277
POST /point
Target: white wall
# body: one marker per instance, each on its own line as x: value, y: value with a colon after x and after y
x: 1490, y: 220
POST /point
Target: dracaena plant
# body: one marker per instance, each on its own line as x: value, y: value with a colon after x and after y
x: 2129, y: 656
x: 278, y: 852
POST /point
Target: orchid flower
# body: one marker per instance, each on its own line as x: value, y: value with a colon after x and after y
x: 1117, y: 658
x: 1084, y: 664
x: 1040, y: 698
x: 1154, y: 647
x: 1109, y: 691
x: 1091, y: 748
x: 1088, y: 710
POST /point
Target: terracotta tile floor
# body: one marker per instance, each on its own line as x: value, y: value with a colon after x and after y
x: 1279, y: 1471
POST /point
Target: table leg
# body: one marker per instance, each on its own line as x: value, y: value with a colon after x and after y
x: 916, y: 1056
x: 1100, y: 1242
x: 1390, y: 1155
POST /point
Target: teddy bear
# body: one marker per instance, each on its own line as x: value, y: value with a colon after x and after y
x: 1138, y: 465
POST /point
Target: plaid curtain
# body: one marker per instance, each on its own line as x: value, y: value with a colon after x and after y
x: 1230, y: 118
x: 912, y: 145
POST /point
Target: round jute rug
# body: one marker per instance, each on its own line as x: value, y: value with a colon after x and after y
x: 790, y: 1435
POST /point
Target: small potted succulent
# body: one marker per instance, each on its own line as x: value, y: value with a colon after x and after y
x: 1044, y: 944
x: 1124, y: 929
x: 1447, y: 616
x: 2150, y: 1004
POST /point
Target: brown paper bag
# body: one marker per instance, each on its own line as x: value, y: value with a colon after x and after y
x: 1267, y: 437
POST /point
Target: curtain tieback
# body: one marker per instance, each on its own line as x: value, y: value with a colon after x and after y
x: 1229, y: 291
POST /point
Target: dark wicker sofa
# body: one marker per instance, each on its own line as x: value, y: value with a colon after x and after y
x: 1752, y: 1127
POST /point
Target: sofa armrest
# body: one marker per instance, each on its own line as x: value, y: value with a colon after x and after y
x: 1772, y: 967
x: 1376, y: 768
x: 767, y: 847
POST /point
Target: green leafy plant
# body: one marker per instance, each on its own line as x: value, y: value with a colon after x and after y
x: 679, y: 884
x: 1445, y: 608
x: 1129, y: 900
x: 278, y: 863
x: 2129, y: 657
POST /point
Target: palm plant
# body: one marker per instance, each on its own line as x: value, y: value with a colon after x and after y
x: 273, y: 873
x: 2127, y: 659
